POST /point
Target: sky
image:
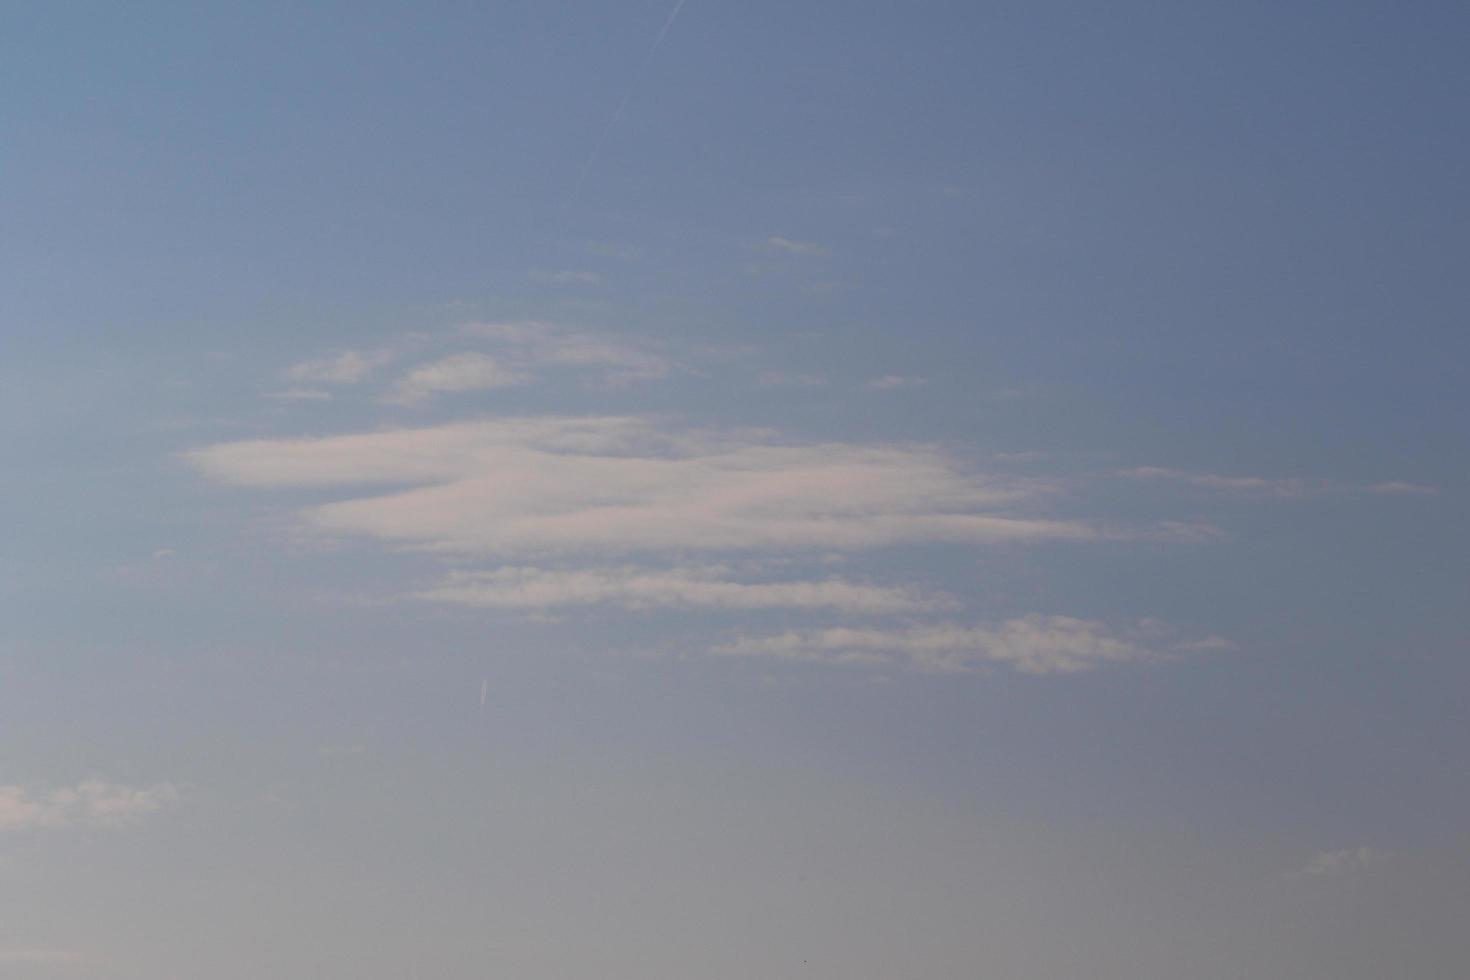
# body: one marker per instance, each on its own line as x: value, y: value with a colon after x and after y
x: 830, y: 491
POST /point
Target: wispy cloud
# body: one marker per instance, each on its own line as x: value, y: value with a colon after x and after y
x: 567, y: 277
x: 639, y: 588
x: 625, y: 485
x: 1346, y: 861
x: 533, y: 344
x: 890, y: 381
x: 1033, y: 644
x: 344, y: 368
x: 458, y: 372
x: 1399, y: 487
x: 1245, y: 485
x: 91, y: 803
x: 777, y: 243
x: 1270, y: 486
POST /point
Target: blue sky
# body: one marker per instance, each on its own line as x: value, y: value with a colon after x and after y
x: 663, y: 490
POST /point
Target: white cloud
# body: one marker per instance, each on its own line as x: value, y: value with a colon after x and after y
x: 634, y: 588
x: 458, y: 372
x: 1264, y: 486
x: 91, y: 803
x: 1343, y: 862
x: 791, y: 247
x: 347, y: 367
x: 890, y: 381
x: 1246, y: 485
x: 536, y: 344
x: 1031, y: 644
x: 626, y: 485
x: 1399, y: 487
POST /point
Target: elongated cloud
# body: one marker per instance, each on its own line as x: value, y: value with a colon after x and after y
x: 1031, y: 644
x: 1246, y: 485
x: 536, y: 344
x: 635, y: 588
x: 627, y: 97
x: 92, y: 803
x: 1402, y: 488
x: 776, y: 243
x: 1269, y: 486
x: 626, y: 485
x: 1346, y: 861
x: 890, y: 381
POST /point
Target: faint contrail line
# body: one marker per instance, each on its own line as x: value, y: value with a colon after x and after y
x: 618, y: 112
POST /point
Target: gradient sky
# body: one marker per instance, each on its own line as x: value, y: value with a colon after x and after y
x: 734, y: 490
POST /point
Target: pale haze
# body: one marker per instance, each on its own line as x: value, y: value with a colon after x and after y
x: 659, y: 490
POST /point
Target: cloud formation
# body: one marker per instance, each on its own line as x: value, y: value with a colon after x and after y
x: 610, y: 484
x: 1345, y: 861
x: 890, y: 381
x: 344, y: 368
x: 1033, y: 644
x: 635, y: 588
x: 792, y: 247
x: 1265, y: 486
x: 91, y: 803
x: 1245, y: 485
x: 458, y: 372
x: 535, y: 344
x: 1402, y: 488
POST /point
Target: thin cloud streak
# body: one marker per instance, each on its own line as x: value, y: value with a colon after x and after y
x: 623, y: 103
x: 1343, y: 862
x: 640, y: 589
x: 1264, y: 486
x: 536, y: 345
x: 1033, y: 644
x: 791, y: 246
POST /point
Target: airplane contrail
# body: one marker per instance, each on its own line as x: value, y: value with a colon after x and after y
x: 618, y: 112
x: 484, y: 689
x: 673, y: 15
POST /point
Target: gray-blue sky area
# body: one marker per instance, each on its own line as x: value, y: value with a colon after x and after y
x: 657, y: 489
